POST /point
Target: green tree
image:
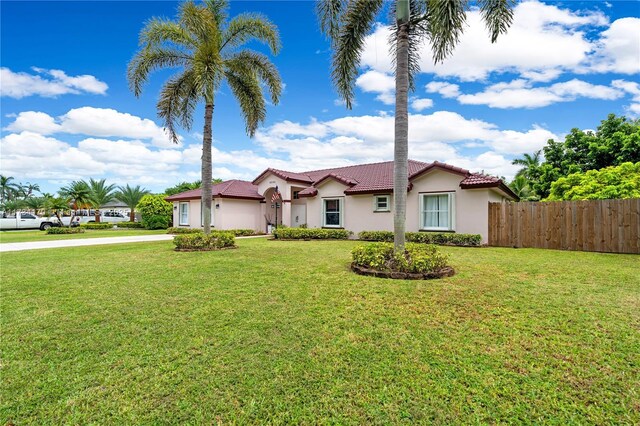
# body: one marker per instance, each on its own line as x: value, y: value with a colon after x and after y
x: 187, y: 186
x: 440, y: 23
x: 616, y: 141
x: 156, y: 212
x: 100, y: 194
x: 208, y: 49
x: 55, y: 205
x: 77, y: 195
x: 131, y: 196
x: 613, y: 182
x: 8, y: 188
x: 34, y: 203
x: 530, y: 164
x: 520, y: 186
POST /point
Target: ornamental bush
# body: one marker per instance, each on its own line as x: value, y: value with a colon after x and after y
x: 417, y: 258
x: 64, y: 230
x: 311, y: 234
x: 201, y: 242
x: 235, y: 232
x: 175, y: 230
x: 97, y: 225
x: 442, y: 238
x: 129, y: 225
x: 155, y: 211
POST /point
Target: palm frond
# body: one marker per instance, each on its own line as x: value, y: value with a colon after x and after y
x: 359, y: 18
x: 178, y: 99
x: 246, y: 89
x: 497, y: 15
x: 150, y: 59
x: 329, y: 16
x: 218, y: 9
x: 199, y: 21
x: 251, y: 26
x: 446, y: 21
x: 159, y: 31
x: 265, y: 70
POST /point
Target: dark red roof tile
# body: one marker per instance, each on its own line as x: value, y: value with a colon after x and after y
x: 228, y: 189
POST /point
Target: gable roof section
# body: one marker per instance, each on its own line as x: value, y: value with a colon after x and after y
x: 283, y: 174
x: 234, y: 188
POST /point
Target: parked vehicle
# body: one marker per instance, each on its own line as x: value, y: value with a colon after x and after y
x: 113, y: 217
x: 22, y: 220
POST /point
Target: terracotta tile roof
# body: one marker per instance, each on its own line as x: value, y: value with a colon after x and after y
x: 228, y: 189
x: 479, y: 179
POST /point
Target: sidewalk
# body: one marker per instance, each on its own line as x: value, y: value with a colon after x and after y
x: 35, y: 245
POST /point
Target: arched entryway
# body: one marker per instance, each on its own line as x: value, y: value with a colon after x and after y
x: 274, y: 209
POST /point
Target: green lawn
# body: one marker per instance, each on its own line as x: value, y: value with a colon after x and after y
x: 37, y: 235
x: 283, y: 333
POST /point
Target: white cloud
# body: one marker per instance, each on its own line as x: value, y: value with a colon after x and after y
x: 47, y: 83
x: 90, y: 121
x: 421, y: 104
x: 446, y: 90
x: 378, y: 82
x: 520, y: 94
x: 543, y: 41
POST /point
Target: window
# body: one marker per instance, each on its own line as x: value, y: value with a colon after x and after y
x: 213, y: 207
x: 184, y: 214
x: 332, y: 212
x: 27, y: 216
x: 296, y: 195
x: 381, y: 203
x: 437, y: 212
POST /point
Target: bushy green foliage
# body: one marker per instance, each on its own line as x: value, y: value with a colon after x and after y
x: 129, y: 225
x: 152, y: 208
x: 200, y: 241
x: 242, y: 232
x: 417, y: 258
x: 176, y: 230
x: 64, y: 230
x: 618, y: 182
x: 442, y: 238
x: 311, y: 234
x: 94, y: 225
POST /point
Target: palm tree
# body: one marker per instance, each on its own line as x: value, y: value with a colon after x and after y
x: 207, y: 48
x: 76, y: 194
x: 55, y: 205
x: 520, y: 186
x: 34, y: 203
x: 100, y: 194
x: 8, y: 188
x: 12, y: 206
x: 131, y: 197
x: 530, y: 164
x: 29, y: 188
x: 440, y: 22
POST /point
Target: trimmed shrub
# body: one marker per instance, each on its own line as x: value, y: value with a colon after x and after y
x: 155, y: 221
x: 417, y: 258
x: 174, y: 230
x: 202, y: 242
x: 155, y: 211
x: 64, y: 230
x: 242, y: 232
x: 311, y: 234
x: 129, y: 225
x: 442, y: 238
x: 94, y: 225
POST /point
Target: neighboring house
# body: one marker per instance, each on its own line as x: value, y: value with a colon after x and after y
x: 358, y: 198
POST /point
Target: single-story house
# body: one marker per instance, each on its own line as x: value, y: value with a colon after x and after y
x: 358, y: 198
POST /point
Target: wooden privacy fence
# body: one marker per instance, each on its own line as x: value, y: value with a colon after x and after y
x: 611, y: 226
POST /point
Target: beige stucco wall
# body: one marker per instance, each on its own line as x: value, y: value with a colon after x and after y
x: 231, y: 214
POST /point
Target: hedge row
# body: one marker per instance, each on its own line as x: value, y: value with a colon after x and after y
x: 64, y: 230
x: 97, y: 225
x: 129, y: 225
x: 311, y: 234
x: 235, y: 232
x: 201, y: 242
x: 417, y: 258
x: 442, y: 238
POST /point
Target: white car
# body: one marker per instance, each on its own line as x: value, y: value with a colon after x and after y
x: 113, y: 217
x: 22, y: 220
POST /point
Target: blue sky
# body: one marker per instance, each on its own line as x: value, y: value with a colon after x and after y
x: 67, y: 112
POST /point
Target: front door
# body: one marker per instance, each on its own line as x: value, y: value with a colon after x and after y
x: 298, y: 215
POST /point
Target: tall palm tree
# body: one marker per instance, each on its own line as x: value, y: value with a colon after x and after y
x: 520, y: 186
x: 34, y: 203
x: 131, y: 197
x: 29, y: 188
x: 440, y: 22
x: 100, y: 194
x: 77, y: 196
x: 55, y: 205
x: 529, y: 163
x: 207, y: 48
x: 8, y: 188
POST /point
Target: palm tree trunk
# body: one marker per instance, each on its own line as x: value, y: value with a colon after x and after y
x: 206, y: 168
x: 96, y: 215
x: 132, y: 215
x: 401, y: 148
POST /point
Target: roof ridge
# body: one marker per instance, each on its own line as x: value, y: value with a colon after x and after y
x: 358, y: 165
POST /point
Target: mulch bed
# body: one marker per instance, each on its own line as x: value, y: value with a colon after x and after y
x: 444, y: 272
